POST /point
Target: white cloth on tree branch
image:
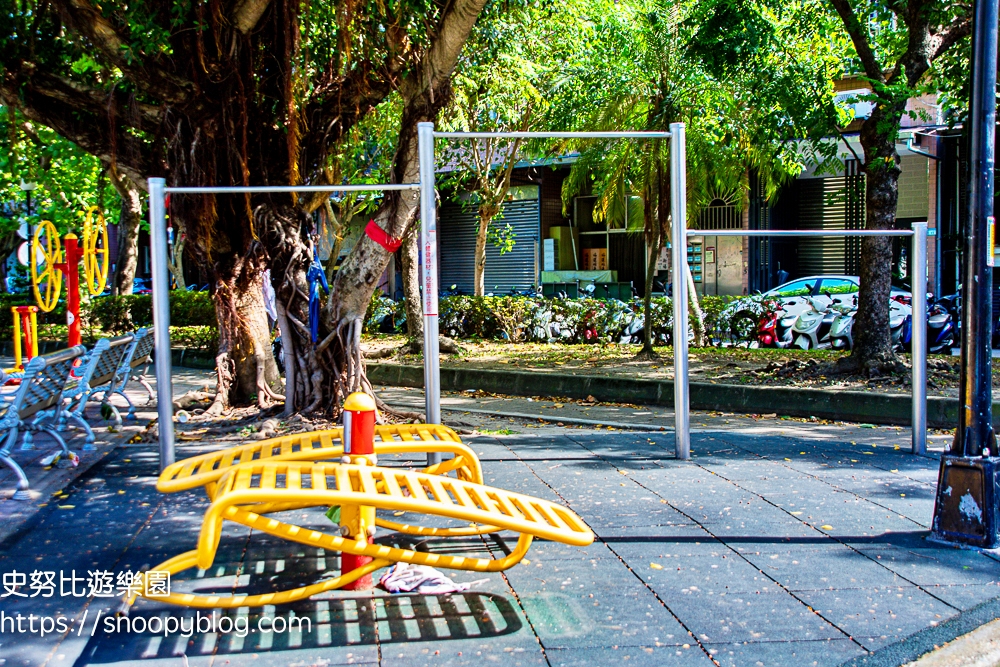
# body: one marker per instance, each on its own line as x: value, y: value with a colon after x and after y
x: 407, y: 578
x: 269, y: 303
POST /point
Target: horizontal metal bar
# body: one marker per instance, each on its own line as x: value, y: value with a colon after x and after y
x: 799, y: 232
x: 553, y: 135
x: 377, y: 187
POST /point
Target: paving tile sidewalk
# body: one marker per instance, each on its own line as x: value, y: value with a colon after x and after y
x: 45, y: 481
x: 777, y: 544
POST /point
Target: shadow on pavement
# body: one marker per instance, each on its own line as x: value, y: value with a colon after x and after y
x: 322, y: 623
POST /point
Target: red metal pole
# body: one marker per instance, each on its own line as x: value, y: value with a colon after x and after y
x: 71, y: 267
x: 30, y: 344
x: 358, y: 522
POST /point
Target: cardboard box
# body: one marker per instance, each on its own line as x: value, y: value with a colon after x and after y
x: 550, y: 254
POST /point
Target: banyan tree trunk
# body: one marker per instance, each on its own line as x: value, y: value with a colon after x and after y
x: 245, y: 368
x: 128, y: 234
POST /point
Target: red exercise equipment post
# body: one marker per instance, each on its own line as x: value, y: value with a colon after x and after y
x: 71, y: 268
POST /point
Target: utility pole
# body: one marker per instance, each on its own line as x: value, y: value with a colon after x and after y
x: 965, y: 509
x: 28, y: 188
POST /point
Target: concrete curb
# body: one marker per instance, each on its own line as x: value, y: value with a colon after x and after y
x: 924, y: 641
x: 180, y: 356
x: 854, y: 406
x: 549, y: 419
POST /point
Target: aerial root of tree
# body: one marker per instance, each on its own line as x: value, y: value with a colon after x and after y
x: 245, y: 369
x: 445, y: 344
x: 318, y: 375
x: 647, y: 355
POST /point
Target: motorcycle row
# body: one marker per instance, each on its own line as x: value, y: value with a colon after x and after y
x: 830, y: 325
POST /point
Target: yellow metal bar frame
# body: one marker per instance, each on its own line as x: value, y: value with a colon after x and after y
x: 247, y: 483
x: 206, y: 469
x: 17, y: 339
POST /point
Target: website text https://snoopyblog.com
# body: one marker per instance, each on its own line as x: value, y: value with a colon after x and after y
x: 20, y: 587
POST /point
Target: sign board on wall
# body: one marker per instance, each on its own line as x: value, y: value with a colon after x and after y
x: 663, y: 260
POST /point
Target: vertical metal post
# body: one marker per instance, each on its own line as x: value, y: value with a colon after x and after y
x: 975, y: 435
x: 18, y: 323
x: 967, y: 505
x: 918, y: 356
x: 678, y: 265
x: 429, y: 278
x: 161, y: 319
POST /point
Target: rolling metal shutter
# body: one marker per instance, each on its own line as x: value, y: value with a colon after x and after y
x: 822, y: 206
x: 517, y: 269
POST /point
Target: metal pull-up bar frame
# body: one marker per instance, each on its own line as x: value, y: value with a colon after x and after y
x: 428, y: 232
x: 428, y: 244
x: 158, y: 191
x: 918, y: 290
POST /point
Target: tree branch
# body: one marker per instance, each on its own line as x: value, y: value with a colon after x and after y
x: 335, y: 109
x: 944, y: 40
x: 859, y: 37
x: 80, y: 114
x: 247, y: 13
x: 85, y: 19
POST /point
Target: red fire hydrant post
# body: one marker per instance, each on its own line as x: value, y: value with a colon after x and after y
x: 358, y: 521
x: 71, y: 268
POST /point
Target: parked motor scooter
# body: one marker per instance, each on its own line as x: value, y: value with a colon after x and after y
x: 812, y: 327
x: 841, y: 328
x: 940, y: 330
x: 775, y: 329
x: 634, y: 328
x: 900, y: 324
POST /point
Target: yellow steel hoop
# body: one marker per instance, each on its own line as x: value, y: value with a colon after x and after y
x: 95, y: 251
x: 50, y: 253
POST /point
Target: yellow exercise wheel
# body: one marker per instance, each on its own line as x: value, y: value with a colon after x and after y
x: 95, y: 250
x: 46, y: 252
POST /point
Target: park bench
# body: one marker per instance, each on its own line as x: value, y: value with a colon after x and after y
x: 42, y: 386
x: 98, y: 372
x: 136, y: 357
x: 246, y: 484
x: 103, y: 365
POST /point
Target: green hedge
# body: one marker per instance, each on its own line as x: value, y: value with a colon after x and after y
x: 118, y: 314
x: 57, y: 316
x: 523, y: 318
